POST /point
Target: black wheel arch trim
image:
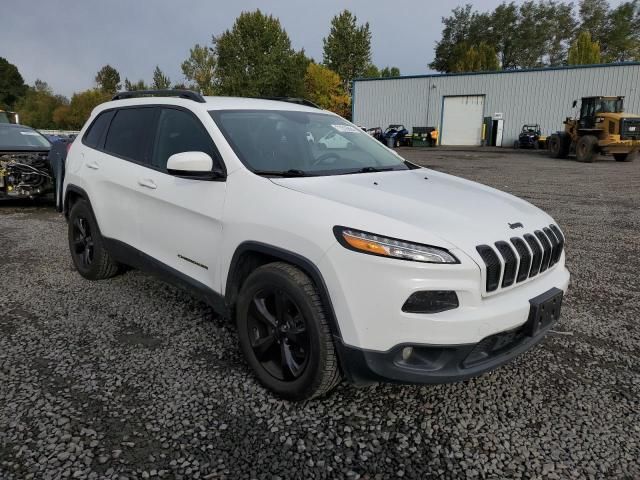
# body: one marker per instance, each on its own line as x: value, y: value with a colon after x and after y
x: 232, y: 288
x: 81, y: 193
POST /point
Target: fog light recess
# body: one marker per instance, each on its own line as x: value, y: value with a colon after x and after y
x: 431, y: 301
x: 406, y: 353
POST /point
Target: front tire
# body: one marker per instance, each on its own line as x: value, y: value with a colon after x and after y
x: 284, y: 333
x: 86, y: 245
x: 586, y: 149
x: 559, y: 145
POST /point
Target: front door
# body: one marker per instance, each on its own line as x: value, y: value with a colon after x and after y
x: 181, y: 219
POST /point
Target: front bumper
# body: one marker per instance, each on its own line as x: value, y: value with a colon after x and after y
x: 623, y: 146
x: 368, y: 293
x: 443, y: 363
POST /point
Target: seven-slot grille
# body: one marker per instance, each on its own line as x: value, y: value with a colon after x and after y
x: 630, y: 129
x: 508, y: 263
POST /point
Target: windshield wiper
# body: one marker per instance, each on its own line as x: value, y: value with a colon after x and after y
x: 369, y: 170
x: 292, y: 172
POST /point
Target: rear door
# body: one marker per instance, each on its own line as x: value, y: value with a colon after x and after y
x: 181, y: 219
x: 117, y: 165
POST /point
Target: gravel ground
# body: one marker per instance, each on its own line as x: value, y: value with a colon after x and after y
x: 131, y: 378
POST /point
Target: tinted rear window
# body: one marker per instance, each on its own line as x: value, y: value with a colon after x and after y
x: 130, y: 132
x: 94, y: 135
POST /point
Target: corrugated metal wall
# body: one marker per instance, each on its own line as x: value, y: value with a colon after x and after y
x: 534, y: 96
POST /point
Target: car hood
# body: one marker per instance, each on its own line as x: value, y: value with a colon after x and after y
x: 461, y: 212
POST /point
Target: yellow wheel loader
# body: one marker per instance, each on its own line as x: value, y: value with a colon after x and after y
x: 602, y: 128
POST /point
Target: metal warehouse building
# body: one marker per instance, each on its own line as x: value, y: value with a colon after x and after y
x: 459, y: 104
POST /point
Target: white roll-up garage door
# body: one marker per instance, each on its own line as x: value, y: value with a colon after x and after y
x: 462, y: 120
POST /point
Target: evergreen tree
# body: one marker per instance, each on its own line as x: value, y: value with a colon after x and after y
x: 108, y: 79
x: 347, y: 48
x: 160, y: 80
x: 584, y: 51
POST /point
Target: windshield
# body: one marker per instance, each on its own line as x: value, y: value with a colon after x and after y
x: 21, y: 138
x: 609, y: 105
x: 302, y: 143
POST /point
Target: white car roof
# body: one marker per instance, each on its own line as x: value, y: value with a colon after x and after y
x: 212, y: 103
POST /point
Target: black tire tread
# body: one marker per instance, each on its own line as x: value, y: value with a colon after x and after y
x: 592, y: 143
x: 563, y: 145
x: 103, y: 265
x: 331, y: 375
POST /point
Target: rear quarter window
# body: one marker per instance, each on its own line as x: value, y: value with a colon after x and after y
x: 94, y: 137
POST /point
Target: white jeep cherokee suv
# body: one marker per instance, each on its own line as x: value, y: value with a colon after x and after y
x: 335, y: 258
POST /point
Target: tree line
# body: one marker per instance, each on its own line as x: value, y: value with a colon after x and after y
x: 538, y: 33
x: 254, y: 58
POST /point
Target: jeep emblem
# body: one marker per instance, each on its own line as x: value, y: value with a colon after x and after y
x: 513, y: 226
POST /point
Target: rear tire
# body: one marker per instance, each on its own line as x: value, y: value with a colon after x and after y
x: 586, y: 149
x: 559, y: 145
x: 623, y: 157
x: 284, y: 333
x: 86, y: 245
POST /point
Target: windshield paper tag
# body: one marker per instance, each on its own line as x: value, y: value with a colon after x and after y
x: 345, y: 128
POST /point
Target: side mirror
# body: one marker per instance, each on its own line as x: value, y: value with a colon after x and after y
x: 575, y: 102
x: 193, y: 165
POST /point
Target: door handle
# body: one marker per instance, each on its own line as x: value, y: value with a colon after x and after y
x: 147, y: 183
x: 93, y: 165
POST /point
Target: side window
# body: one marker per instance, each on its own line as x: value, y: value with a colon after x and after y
x: 130, y: 133
x: 180, y: 131
x: 95, y: 134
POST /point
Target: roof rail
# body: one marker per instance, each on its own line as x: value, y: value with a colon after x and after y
x: 188, y: 94
x: 298, y: 101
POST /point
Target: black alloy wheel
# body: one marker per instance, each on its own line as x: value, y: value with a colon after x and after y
x: 82, y: 246
x: 278, y: 334
x: 284, y: 332
x: 87, y: 247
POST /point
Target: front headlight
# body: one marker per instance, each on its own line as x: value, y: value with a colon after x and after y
x: 372, y: 244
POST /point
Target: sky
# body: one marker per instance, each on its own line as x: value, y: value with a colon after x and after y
x: 65, y: 42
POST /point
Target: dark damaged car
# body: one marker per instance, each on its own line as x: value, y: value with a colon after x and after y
x: 25, y: 170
